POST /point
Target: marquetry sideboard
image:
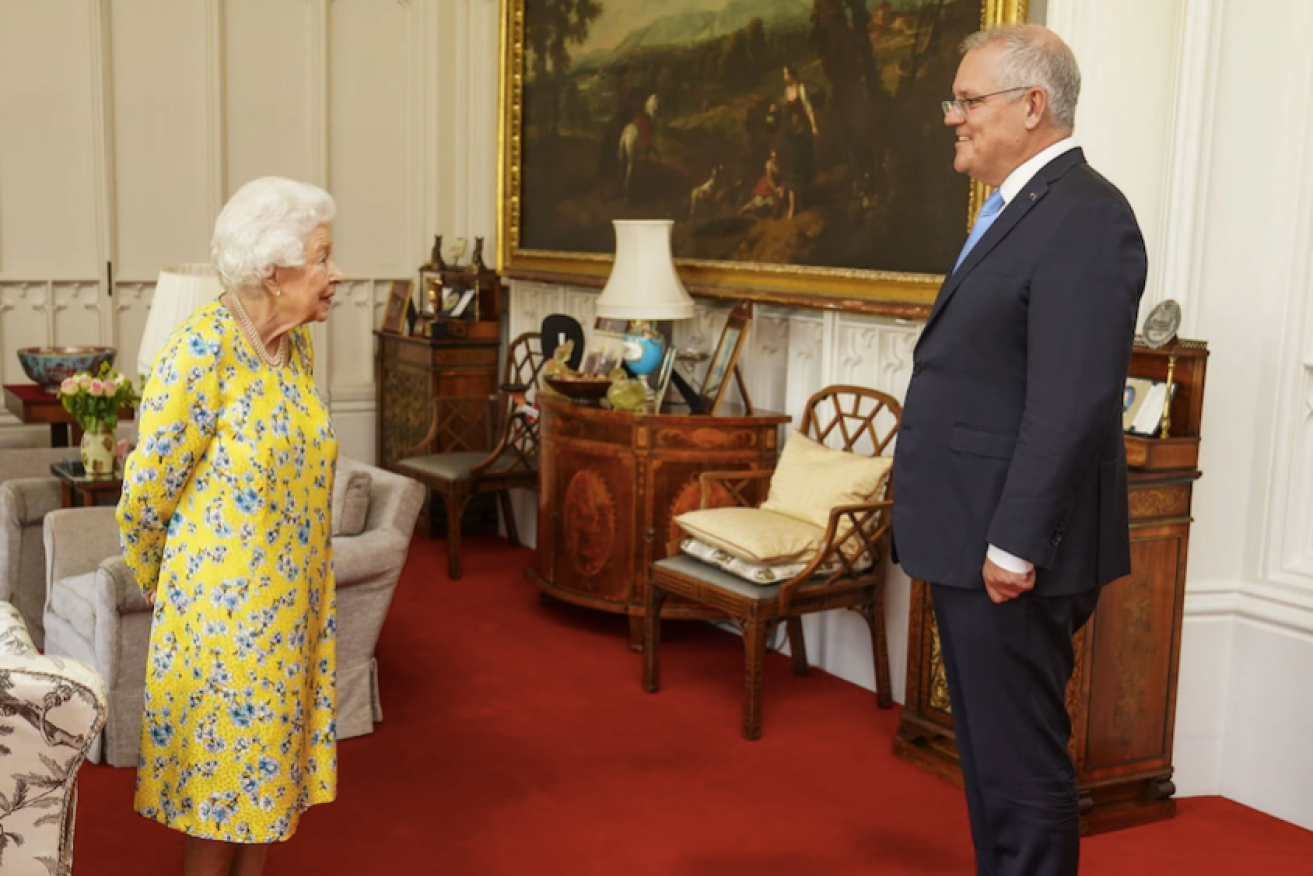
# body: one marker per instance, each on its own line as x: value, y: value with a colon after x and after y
x: 610, y: 484
x: 1122, y: 696
x: 412, y: 376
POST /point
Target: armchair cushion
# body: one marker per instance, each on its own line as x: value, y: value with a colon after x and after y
x: 811, y: 479
x: 71, y: 599
x: 351, y: 502
x: 754, y: 535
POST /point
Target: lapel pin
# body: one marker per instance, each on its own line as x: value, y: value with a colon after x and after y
x: 1032, y: 196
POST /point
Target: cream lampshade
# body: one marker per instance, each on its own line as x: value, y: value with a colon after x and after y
x: 643, y: 283
x: 180, y: 291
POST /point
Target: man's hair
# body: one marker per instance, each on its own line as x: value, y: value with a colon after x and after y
x: 1034, y: 56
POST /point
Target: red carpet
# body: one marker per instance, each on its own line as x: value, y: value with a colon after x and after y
x: 518, y: 740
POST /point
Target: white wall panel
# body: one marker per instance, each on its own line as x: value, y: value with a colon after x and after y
x: 160, y: 100
x: 48, y: 201
x: 267, y: 90
x: 370, y: 131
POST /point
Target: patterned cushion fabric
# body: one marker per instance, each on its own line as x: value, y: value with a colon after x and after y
x: 757, y: 573
x: 351, y: 503
x: 811, y: 479
x: 754, y: 535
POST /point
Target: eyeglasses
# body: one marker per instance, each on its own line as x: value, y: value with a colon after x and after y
x: 963, y: 106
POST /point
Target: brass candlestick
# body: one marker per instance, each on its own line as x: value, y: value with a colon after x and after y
x: 1166, y: 426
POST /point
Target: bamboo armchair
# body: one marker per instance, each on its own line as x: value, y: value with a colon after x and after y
x: 854, y: 532
x: 460, y: 426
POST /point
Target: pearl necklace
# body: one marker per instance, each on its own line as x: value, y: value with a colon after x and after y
x: 248, y: 326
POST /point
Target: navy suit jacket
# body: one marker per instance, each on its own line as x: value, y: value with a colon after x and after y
x: 1011, y: 432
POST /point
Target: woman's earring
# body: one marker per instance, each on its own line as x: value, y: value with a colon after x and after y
x: 278, y: 291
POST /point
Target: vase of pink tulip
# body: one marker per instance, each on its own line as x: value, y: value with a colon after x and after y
x: 95, y: 402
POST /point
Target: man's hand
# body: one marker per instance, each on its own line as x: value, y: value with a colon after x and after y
x: 1003, y: 585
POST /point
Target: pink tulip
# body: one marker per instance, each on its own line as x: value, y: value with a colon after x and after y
x: 97, y: 386
x: 84, y: 380
x: 69, y: 386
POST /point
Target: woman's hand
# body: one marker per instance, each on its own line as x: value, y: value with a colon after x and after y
x: 150, y: 598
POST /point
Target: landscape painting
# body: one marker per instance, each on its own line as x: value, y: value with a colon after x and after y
x: 798, y: 145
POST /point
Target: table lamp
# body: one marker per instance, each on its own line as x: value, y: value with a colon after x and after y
x: 179, y: 292
x: 643, y: 287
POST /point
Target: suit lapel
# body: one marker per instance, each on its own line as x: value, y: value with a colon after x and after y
x: 1028, y: 197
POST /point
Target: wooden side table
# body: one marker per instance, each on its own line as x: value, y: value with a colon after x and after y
x: 31, y: 404
x: 77, y: 490
x: 610, y: 484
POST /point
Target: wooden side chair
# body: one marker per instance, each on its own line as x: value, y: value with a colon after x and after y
x: 461, y: 427
x: 847, y: 571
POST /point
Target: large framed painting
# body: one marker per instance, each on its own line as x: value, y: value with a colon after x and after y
x: 798, y: 145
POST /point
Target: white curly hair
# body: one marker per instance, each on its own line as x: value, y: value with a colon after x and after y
x: 265, y: 225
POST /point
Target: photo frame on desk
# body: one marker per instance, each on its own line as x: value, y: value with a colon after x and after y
x: 606, y: 346
x: 721, y: 368
x: 394, y: 313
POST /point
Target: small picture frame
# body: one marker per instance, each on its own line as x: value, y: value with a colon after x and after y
x: 462, y: 304
x: 606, y: 346
x: 394, y: 314
x: 720, y: 371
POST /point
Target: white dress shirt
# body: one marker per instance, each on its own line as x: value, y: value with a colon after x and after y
x: 1012, y: 187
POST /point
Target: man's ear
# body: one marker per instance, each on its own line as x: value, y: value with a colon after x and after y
x: 1037, y: 107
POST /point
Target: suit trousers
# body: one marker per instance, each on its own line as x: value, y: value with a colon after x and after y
x: 1007, y: 668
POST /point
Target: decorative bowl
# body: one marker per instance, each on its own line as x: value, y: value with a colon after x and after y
x: 588, y: 388
x: 48, y: 366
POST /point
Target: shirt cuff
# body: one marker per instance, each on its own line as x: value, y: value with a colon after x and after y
x: 1009, y: 562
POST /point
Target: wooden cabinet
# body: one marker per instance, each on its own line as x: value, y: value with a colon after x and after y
x: 610, y: 484
x: 412, y: 377
x: 1122, y: 696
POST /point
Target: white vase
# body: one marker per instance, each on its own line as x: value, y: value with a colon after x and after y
x: 98, y: 451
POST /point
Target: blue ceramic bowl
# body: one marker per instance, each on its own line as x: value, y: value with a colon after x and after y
x: 48, y: 366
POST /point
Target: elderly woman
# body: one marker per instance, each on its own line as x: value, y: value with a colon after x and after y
x: 225, y: 522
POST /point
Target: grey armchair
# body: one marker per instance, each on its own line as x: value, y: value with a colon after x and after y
x: 27, y: 493
x: 95, y: 612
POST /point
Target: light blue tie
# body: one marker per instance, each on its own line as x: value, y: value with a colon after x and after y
x: 988, y: 213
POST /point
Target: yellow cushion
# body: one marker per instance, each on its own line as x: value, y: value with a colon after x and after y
x: 811, y: 479
x: 753, y: 534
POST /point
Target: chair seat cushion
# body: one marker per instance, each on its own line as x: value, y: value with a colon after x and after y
x: 754, y: 535
x: 690, y: 567
x: 760, y: 573
x: 450, y: 466
x: 811, y: 479
x: 69, y: 599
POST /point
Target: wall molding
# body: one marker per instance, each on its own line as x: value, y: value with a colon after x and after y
x: 1178, y: 263
x: 1287, y: 551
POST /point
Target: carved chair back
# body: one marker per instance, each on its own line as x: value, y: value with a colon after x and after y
x: 855, y: 419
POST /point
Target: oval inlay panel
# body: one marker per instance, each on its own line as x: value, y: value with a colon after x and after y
x: 588, y: 522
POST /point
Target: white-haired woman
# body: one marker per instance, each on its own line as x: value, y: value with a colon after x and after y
x: 225, y: 522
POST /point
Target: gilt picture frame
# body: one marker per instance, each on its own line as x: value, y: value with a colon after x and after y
x: 786, y: 184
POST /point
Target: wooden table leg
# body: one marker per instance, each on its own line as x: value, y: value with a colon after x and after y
x: 66, y: 494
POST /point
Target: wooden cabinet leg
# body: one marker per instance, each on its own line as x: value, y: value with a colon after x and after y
x: 635, y: 633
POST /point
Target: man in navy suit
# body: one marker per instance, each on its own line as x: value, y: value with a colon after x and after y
x: 1010, y: 467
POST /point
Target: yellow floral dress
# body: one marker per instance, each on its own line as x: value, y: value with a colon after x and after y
x: 225, y: 517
